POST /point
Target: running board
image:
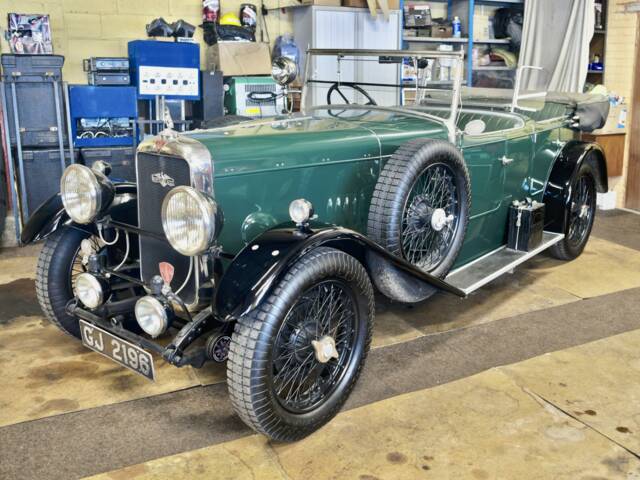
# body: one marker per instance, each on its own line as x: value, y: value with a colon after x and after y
x: 478, y: 273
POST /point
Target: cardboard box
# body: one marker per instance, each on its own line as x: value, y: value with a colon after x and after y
x: 239, y: 58
x: 616, y: 121
x: 392, y: 4
x: 355, y: 3
x: 442, y: 31
x: 326, y: 3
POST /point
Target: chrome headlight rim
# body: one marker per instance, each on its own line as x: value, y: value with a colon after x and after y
x: 154, y: 308
x: 101, y: 194
x: 85, y: 215
x: 284, y: 70
x: 89, y: 283
x: 210, y: 216
x: 300, y: 211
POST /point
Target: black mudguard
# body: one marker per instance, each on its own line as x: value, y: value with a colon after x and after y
x: 557, y: 193
x: 257, y: 269
x: 51, y: 215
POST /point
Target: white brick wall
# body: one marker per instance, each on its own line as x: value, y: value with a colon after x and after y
x: 620, y: 58
x: 85, y: 28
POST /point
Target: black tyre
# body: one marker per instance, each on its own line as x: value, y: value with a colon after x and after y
x: 419, y: 211
x: 225, y: 121
x: 294, y: 360
x: 581, y: 213
x: 58, y: 263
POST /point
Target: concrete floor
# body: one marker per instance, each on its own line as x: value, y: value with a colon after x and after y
x: 435, y: 400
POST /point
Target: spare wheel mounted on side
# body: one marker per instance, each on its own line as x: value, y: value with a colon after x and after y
x: 419, y: 211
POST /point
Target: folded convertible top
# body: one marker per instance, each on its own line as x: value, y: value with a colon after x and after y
x: 591, y: 110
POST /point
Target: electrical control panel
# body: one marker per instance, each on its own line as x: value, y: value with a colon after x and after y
x: 168, y: 81
x: 103, y: 116
x: 168, y: 69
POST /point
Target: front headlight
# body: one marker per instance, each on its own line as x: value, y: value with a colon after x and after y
x: 83, y: 191
x: 191, y: 220
x: 88, y: 290
x: 284, y: 70
x: 151, y: 316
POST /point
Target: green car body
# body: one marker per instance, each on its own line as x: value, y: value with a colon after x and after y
x: 262, y: 165
x: 202, y: 245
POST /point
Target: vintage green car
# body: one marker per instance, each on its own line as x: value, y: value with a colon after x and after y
x: 262, y: 243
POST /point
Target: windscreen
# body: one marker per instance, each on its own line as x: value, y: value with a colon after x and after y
x: 375, y: 78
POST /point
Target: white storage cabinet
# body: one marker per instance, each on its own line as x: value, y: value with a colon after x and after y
x: 341, y: 27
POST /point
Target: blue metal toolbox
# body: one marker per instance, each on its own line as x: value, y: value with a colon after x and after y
x: 103, y: 116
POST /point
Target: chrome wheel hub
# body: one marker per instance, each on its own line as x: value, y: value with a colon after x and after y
x: 584, y: 211
x: 325, y: 349
x: 439, y: 219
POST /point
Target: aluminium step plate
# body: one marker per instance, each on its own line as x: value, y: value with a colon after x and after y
x: 478, y: 273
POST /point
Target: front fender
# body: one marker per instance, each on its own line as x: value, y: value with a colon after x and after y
x: 557, y: 194
x: 256, y: 270
x: 51, y: 215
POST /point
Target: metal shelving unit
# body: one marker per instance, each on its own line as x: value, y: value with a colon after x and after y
x: 469, y: 40
x: 598, y: 46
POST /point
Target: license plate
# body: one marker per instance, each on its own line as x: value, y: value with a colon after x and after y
x: 118, y: 350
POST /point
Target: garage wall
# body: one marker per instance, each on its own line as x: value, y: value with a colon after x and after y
x: 619, y: 67
x: 86, y: 28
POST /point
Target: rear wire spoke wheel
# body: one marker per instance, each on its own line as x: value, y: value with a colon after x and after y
x: 581, y: 210
x: 294, y: 359
x: 580, y: 215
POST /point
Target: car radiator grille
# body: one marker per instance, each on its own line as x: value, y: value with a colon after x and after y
x: 150, y: 196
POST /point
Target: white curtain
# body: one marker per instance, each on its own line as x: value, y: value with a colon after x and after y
x: 556, y: 36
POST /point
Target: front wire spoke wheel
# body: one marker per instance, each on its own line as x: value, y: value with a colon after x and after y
x: 295, y: 358
x: 316, y: 339
x: 78, y: 266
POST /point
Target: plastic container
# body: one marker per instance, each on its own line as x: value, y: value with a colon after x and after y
x: 38, y: 123
x: 248, y: 15
x: 286, y: 47
x: 210, y: 10
x: 31, y: 68
x: 457, y: 32
x: 42, y: 172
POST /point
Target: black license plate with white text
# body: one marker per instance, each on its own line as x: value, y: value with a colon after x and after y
x: 119, y: 350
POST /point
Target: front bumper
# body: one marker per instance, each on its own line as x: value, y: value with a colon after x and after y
x: 179, y: 351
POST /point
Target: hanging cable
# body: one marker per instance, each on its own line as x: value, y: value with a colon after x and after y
x: 102, y: 238
x: 126, y: 253
x: 186, y: 280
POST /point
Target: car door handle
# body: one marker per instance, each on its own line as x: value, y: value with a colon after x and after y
x: 559, y: 143
x: 505, y: 160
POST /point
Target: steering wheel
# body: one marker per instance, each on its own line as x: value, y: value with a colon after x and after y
x: 336, y: 88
